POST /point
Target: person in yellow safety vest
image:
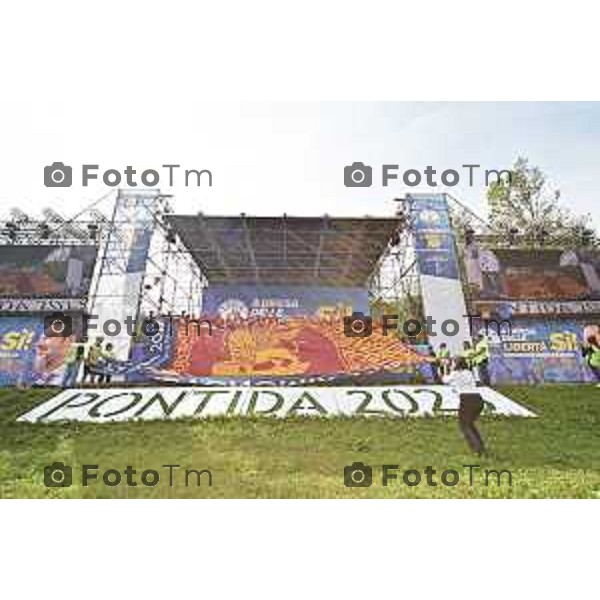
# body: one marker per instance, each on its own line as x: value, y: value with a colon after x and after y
x: 481, y: 358
x: 591, y: 352
x: 443, y: 360
x: 90, y: 361
x: 467, y: 353
x: 107, y: 360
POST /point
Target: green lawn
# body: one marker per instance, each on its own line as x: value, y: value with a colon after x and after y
x: 554, y: 455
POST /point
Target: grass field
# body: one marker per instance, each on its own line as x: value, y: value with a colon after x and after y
x: 554, y: 455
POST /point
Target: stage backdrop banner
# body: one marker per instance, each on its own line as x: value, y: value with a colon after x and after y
x: 51, y: 270
x: 106, y: 405
x: 547, y: 275
x: 282, y: 301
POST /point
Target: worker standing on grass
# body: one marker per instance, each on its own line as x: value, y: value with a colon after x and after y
x: 90, y: 364
x: 443, y: 360
x: 591, y: 352
x: 106, y: 362
x: 463, y: 383
x: 435, y: 366
x: 481, y: 358
x: 467, y: 353
x: 72, y: 363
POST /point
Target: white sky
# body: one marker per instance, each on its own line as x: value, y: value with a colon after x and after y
x: 289, y: 157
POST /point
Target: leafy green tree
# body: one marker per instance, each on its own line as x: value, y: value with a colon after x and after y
x: 528, y: 211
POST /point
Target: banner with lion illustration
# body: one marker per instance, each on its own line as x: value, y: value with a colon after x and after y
x: 294, y: 350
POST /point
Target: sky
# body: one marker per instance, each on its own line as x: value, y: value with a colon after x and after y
x: 271, y: 158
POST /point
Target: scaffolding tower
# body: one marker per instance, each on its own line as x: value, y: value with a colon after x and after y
x: 142, y: 269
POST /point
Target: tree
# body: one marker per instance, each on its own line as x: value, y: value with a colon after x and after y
x: 528, y: 211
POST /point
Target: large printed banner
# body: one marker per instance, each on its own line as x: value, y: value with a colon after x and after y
x: 106, y: 405
x: 49, y: 270
x: 296, y: 351
x: 27, y: 356
x: 549, y: 296
x: 538, y: 351
x: 543, y: 274
x: 293, y: 351
x: 247, y: 301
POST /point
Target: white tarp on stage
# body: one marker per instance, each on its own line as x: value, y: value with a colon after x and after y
x: 122, y: 404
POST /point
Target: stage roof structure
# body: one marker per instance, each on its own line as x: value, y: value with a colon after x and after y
x: 323, y: 251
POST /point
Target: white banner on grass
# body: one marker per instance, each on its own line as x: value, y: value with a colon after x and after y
x: 167, y: 403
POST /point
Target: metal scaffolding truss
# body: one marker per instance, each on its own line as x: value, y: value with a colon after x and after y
x: 185, y: 253
x: 168, y: 280
x: 317, y: 251
x: 395, y: 280
x: 171, y: 281
x: 50, y: 228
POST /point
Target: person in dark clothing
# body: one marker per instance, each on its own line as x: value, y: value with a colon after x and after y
x: 471, y: 403
x: 435, y: 368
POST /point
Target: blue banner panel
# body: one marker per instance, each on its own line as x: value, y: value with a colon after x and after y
x: 27, y: 356
x: 434, y: 238
x: 281, y: 301
x: 538, y: 351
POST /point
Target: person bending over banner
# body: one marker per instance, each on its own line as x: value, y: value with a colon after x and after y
x: 471, y: 403
x: 591, y: 353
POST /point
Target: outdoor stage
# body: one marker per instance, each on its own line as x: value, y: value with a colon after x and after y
x: 282, y: 295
